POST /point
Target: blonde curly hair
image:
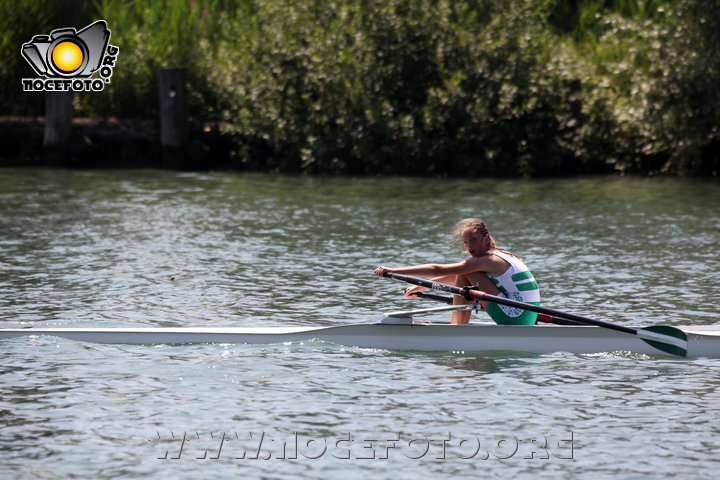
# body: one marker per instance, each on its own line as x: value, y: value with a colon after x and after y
x: 477, y: 226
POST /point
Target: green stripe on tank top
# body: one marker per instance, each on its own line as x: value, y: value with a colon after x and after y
x: 523, y: 287
x: 522, y: 276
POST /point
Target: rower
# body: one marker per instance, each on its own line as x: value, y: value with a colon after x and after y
x: 489, y: 269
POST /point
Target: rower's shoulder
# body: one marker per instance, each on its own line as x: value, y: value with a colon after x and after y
x: 488, y: 262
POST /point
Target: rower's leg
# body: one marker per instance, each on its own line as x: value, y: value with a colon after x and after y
x: 460, y: 317
x: 479, y: 280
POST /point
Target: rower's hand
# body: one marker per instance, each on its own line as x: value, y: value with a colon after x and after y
x: 379, y: 271
x: 411, y: 292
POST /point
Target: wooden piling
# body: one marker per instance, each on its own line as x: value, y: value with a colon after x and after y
x: 173, y: 108
x: 58, y: 118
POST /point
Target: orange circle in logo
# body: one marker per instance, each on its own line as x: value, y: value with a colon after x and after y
x: 67, y: 56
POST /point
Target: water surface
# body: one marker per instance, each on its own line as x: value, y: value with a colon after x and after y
x: 154, y: 248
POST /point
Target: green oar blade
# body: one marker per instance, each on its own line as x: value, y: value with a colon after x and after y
x: 670, y: 339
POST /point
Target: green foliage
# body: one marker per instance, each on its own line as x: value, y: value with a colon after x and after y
x: 442, y: 87
x: 156, y: 34
x: 403, y: 86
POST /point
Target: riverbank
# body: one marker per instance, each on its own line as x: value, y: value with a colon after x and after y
x: 113, y: 143
x: 97, y: 143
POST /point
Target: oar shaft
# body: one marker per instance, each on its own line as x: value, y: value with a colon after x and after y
x: 477, y: 295
x: 549, y: 311
x: 425, y: 283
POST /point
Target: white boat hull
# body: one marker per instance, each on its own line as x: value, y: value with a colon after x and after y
x: 703, y: 341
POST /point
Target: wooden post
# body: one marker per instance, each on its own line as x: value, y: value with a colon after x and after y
x: 173, y: 108
x: 58, y: 118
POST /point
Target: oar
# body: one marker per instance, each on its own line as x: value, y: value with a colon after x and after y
x: 541, y: 317
x: 665, y: 338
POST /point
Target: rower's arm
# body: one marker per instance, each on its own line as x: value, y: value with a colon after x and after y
x: 438, y: 270
x: 444, y: 279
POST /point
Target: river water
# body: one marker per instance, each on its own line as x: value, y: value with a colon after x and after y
x: 155, y: 248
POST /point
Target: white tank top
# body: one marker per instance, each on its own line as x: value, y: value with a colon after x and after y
x: 517, y: 283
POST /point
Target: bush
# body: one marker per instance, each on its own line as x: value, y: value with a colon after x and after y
x: 464, y: 87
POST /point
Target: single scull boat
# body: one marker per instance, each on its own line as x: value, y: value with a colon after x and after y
x: 400, y: 331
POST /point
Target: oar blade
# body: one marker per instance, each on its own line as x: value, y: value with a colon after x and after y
x: 665, y: 338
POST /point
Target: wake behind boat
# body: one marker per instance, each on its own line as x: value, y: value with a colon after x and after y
x: 400, y: 331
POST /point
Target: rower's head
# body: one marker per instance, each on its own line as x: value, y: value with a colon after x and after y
x: 474, y: 236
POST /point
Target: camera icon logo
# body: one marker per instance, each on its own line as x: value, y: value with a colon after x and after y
x: 68, y: 54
